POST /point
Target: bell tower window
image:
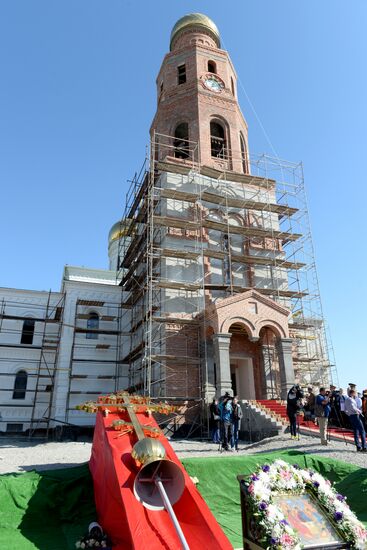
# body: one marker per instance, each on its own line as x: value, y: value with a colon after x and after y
x: 218, y: 143
x: 181, y: 141
x: 212, y: 68
x: 181, y: 74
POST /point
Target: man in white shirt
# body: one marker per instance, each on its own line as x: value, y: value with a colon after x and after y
x: 353, y: 412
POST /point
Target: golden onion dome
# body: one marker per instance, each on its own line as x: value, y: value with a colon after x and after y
x: 117, y: 230
x: 195, y: 20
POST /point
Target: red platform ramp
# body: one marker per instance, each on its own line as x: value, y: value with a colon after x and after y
x: 129, y: 524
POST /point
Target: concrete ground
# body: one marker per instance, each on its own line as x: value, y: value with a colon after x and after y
x: 19, y: 455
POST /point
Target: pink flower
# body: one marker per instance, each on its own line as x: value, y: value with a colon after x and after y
x: 286, y: 539
x: 285, y: 474
x: 251, y: 488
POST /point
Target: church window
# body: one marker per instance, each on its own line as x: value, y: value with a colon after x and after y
x: 212, y: 67
x: 181, y: 74
x: 217, y: 140
x: 27, y: 332
x: 93, y: 324
x: 180, y: 143
x: 243, y: 154
x: 20, y: 385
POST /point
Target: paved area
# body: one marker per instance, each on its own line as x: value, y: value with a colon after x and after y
x: 336, y: 449
x: 18, y: 455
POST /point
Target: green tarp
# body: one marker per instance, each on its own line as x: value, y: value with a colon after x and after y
x: 219, y: 486
x: 51, y: 510
x: 47, y: 510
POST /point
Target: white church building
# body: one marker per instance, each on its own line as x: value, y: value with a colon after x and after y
x: 58, y: 349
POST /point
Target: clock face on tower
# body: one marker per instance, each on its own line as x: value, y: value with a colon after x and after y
x: 213, y: 83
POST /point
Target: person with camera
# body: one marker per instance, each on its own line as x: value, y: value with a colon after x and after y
x: 354, y: 413
x: 309, y: 406
x: 215, y: 420
x: 322, y: 412
x: 236, y: 422
x: 294, y: 405
x: 334, y: 417
x: 226, y: 418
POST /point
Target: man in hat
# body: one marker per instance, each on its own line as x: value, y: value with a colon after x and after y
x: 351, y: 387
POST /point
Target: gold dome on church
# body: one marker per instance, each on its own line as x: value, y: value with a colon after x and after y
x: 196, y: 20
x: 117, y: 230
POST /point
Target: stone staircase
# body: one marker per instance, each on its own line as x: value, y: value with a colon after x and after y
x: 258, y: 422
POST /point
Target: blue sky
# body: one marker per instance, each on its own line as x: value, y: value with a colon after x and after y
x: 77, y: 97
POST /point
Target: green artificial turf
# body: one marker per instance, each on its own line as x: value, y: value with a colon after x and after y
x: 47, y: 510
x: 51, y: 510
x: 219, y: 486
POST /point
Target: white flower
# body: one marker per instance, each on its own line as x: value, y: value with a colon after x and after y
x: 276, y: 531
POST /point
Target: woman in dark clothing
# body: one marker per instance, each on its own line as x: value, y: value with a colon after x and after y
x: 294, y: 396
x: 215, y: 421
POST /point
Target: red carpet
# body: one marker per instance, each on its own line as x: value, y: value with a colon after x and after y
x: 277, y: 409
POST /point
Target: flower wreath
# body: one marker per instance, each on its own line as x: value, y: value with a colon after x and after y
x: 95, y: 538
x: 283, y: 477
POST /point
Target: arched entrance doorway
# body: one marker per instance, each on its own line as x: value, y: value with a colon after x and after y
x: 244, y: 363
x: 271, y: 387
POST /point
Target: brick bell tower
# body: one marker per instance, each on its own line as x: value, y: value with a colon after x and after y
x: 197, y: 97
x: 207, y: 297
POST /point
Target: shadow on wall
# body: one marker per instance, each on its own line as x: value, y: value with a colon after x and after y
x: 46, y: 510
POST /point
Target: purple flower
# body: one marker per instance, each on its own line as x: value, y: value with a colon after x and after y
x: 338, y: 516
x: 296, y: 467
x: 263, y: 506
x: 316, y: 484
x: 265, y: 468
x: 340, y: 497
x: 273, y: 541
x: 254, y: 477
x: 284, y: 522
x: 311, y: 473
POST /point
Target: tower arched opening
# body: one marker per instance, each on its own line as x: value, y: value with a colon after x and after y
x: 244, y: 155
x: 212, y: 67
x: 218, y: 141
x: 181, y: 141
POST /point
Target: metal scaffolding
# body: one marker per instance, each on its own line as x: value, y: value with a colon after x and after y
x: 94, y: 359
x: 192, y: 234
x: 37, y: 356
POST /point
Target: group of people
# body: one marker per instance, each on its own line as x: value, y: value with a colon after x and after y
x: 330, y: 406
x: 225, y: 420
